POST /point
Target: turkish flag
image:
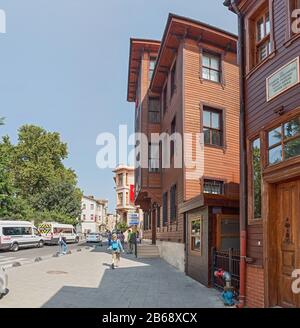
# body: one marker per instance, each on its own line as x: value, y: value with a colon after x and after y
x: 132, y: 193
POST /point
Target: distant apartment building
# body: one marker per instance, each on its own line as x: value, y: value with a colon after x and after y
x: 111, y: 222
x: 93, y: 214
x: 124, y: 186
x: 188, y: 84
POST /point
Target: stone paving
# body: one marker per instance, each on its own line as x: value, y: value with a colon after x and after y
x: 84, y: 279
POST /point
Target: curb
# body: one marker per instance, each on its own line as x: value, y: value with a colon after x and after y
x: 40, y: 259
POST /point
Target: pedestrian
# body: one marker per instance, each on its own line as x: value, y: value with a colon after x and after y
x: 131, y: 240
x: 60, y: 243
x: 116, y: 248
x: 121, y: 238
x: 64, y: 245
x: 128, y: 241
x: 109, y: 238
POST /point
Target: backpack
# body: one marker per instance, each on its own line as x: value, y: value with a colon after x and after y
x: 114, y: 245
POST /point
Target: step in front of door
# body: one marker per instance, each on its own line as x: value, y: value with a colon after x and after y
x: 148, y: 252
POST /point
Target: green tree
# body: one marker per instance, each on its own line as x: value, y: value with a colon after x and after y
x: 59, y: 197
x: 34, y: 183
x: 38, y: 159
x: 7, y: 191
x: 122, y: 226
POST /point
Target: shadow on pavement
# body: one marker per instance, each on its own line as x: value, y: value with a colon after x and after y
x: 149, y: 283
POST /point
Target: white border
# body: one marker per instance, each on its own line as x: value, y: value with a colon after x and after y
x: 297, y: 59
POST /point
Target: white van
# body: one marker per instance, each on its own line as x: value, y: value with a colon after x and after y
x: 50, y: 232
x: 19, y: 234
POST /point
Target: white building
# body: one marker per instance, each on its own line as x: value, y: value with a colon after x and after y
x: 111, y: 221
x: 93, y: 214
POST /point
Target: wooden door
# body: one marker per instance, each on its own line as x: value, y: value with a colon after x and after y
x: 288, y: 241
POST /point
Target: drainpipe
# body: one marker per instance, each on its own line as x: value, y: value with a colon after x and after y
x: 243, y: 154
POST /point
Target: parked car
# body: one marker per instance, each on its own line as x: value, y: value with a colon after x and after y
x: 94, y: 237
x: 19, y: 234
x: 50, y: 231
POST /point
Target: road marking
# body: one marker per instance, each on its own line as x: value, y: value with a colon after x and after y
x: 6, y: 261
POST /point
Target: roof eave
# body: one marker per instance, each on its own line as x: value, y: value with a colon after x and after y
x: 184, y: 19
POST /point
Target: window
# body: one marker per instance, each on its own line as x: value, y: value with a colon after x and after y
x: 127, y: 181
x: 158, y: 217
x: 151, y: 67
x: 92, y: 217
x: 256, y: 178
x: 284, y: 142
x: 213, y: 187
x: 165, y: 209
x: 212, y: 127
x: 173, y: 79
x: 228, y: 232
x: 83, y: 206
x: 120, y: 179
x: 120, y: 199
x: 263, y: 37
x: 127, y: 198
x: 294, y: 4
x: 147, y: 221
x: 17, y: 231
x: 173, y: 130
x: 165, y: 100
x: 173, y: 204
x: 26, y: 231
x: 67, y: 230
x: 154, y: 110
x: 196, y: 235
x: 211, y: 67
x: 92, y: 206
x: 83, y: 217
x: 36, y: 232
x: 153, y: 158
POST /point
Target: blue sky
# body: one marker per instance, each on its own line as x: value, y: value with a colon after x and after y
x: 64, y: 65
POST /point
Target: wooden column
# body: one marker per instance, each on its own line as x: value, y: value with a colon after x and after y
x: 153, y: 224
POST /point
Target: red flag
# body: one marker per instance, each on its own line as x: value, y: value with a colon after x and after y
x: 132, y: 193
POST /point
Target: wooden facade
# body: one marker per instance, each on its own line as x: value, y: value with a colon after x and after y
x: 147, y: 184
x: 272, y: 218
x: 186, y: 211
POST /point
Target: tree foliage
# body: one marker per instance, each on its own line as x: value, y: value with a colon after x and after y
x: 122, y: 226
x: 34, y: 183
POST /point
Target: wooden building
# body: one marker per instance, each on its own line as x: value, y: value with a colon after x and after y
x: 270, y: 151
x: 194, y: 86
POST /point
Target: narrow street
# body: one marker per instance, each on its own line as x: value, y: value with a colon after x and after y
x: 85, y: 279
x: 28, y: 255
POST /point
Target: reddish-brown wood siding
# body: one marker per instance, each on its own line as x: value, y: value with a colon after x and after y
x: 255, y: 243
x: 219, y: 163
x: 260, y: 113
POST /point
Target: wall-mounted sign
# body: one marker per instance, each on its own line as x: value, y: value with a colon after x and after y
x: 133, y: 219
x: 283, y: 79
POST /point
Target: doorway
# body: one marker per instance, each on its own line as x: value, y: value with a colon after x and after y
x: 286, y: 242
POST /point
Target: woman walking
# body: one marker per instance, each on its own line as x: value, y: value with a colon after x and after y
x: 116, y: 248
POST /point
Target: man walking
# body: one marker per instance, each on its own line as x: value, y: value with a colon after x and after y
x: 131, y: 240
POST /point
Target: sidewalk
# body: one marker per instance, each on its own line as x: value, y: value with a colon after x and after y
x: 84, y: 279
